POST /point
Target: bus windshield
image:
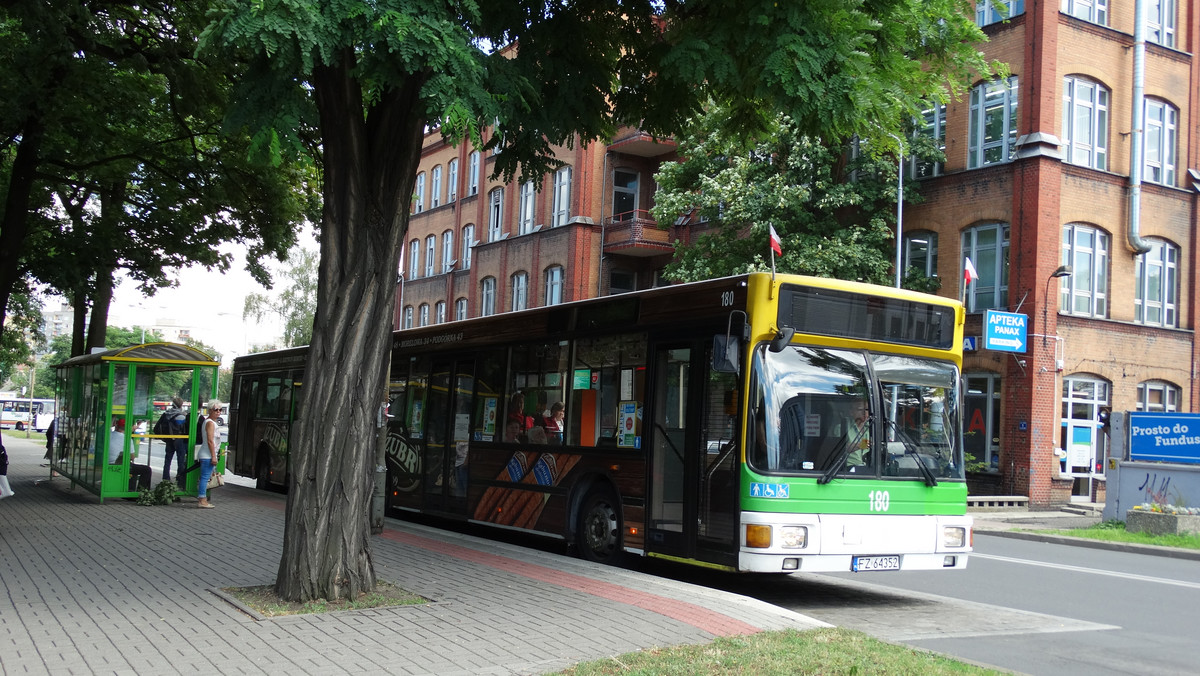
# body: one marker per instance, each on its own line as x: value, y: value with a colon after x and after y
x: 854, y: 414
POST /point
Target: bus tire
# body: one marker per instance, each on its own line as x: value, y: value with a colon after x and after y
x: 598, y: 535
x: 20, y: 426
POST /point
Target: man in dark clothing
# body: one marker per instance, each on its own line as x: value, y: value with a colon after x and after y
x: 174, y: 421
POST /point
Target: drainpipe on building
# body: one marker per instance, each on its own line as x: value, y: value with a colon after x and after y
x: 603, y: 223
x: 1136, y: 242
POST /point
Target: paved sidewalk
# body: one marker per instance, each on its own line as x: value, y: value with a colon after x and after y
x: 123, y: 589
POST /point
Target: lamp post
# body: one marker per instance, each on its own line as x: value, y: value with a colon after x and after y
x: 1061, y: 271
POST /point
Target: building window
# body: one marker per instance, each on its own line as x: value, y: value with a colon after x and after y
x: 1084, y: 447
x: 468, y: 244
x: 1095, y: 11
x: 554, y: 285
x: 520, y: 291
x: 414, y: 258
x: 562, y: 196
x: 435, y: 198
x: 1085, y: 291
x: 981, y: 419
x: 430, y: 245
x: 1160, y: 22
x: 424, y: 315
x: 451, y: 180
x: 447, y: 251
x: 988, y: 13
x: 920, y: 253
x: 528, y: 204
x: 495, y: 214
x: 408, y: 316
x: 1157, y: 293
x: 1085, y: 122
x: 440, y: 312
x: 1157, y: 396
x: 460, y: 309
x: 932, y: 127
x: 473, y: 173
x: 487, y: 297
x: 987, y: 247
x: 993, y: 132
x: 419, y: 194
x: 1162, y: 120
x: 621, y: 281
x: 625, y: 195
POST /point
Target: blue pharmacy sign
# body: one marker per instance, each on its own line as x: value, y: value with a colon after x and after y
x: 1005, y: 331
x: 1164, y: 437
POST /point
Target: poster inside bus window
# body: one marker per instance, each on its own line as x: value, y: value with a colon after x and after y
x: 629, y: 426
x: 582, y: 379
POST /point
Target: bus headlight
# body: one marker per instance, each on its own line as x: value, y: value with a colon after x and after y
x: 793, y: 537
x: 954, y: 536
x: 758, y: 536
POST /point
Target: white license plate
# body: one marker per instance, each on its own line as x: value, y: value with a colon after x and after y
x: 863, y: 563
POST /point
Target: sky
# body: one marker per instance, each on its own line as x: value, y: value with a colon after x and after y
x: 221, y: 295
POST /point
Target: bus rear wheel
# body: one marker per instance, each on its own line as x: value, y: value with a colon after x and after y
x: 20, y: 426
x: 598, y: 537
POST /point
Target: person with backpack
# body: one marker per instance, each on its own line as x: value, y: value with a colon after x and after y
x: 174, y: 422
x: 208, y: 443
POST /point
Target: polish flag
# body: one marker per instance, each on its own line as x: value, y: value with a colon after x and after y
x: 969, y: 273
x: 776, y: 243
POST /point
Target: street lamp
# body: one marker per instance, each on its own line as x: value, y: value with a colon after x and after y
x: 1061, y: 271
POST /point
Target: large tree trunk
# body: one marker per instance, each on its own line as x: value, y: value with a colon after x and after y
x: 97, y: 334
x: 15, y: 226
x: 79, y: 307
x: 370, y: 166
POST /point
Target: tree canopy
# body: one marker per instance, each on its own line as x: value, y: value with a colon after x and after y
x: 296, y: 304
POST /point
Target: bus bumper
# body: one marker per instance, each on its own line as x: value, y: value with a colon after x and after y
x: 852, y: 543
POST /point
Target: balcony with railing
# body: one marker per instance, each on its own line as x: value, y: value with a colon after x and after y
x: 635, y: 233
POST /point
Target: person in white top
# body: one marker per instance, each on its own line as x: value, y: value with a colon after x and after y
x: 207, y: 452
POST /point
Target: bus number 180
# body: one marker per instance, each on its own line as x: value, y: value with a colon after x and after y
x: 880, y: 501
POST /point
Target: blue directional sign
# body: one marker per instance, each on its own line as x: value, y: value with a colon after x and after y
x: 1005, y: 331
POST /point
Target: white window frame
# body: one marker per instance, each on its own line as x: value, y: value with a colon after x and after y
x: 931, y: 125
x: 925, y: 241
x: 1084, y: 293
x: 419, y: 194
x: 414, y: 258
x: 408, y: 316
x: 1085, y: 122
x: 460, y: 309
x: 447, y: 251
x: 468, y: 245
x: 1156, y: 301
x: 423, y: 315
x: 430, y: 248
x: 487, y: 297
x: 991, y: 263
x: 473, y: 175
x: 1160, y: 22
x: 554, y: 285
x: 495, y: 214
x: 987, y: 13
x: 528, y: 206
x: 990, y: 389
x: 520, y: 291
x: 451, y: 180
x: 625, y: 190
x: 1092, y: 11
x: 1169, y: 396
x: 996, y: 97
x: 440, y: 312
x: 562, y: 197
x: 1160, y: 142
x: 435, y: 196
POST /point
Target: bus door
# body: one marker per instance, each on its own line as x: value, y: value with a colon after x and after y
x: 446, y: 436
x: 693, y: 456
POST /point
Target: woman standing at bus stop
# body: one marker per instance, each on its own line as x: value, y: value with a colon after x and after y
x: 206, y: 450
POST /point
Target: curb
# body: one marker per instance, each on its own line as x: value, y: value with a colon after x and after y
x: 1129, y: 547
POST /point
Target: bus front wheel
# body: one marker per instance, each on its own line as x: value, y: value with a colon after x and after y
x: 598, y: 536
x: 20, y: 426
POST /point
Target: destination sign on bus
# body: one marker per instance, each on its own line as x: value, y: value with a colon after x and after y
x: 845, y: 314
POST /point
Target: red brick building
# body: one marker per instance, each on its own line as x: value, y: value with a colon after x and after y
x: 1043, y: 169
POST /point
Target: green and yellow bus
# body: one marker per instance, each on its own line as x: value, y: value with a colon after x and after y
x: 754, y: 423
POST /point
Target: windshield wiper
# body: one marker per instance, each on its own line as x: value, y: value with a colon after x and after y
x: 843, y: 453
x: 910, y: 448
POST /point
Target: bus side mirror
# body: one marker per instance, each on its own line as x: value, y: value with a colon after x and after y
x: 725, y: 354
x: 782, y: 339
